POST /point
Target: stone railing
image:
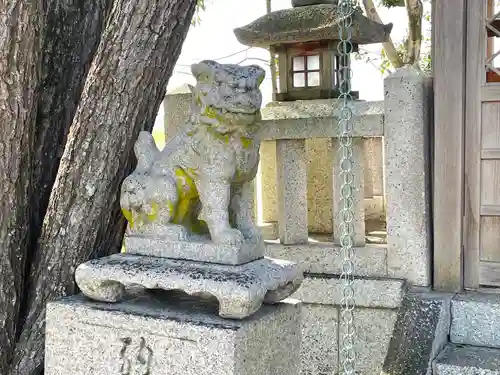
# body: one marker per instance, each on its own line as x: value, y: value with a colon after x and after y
x: 300, y: 141
x: 297, y: 191
x: 301, y: 138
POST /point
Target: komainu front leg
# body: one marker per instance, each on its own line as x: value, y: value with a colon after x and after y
x: 215, y: 198
x: 242, y: 210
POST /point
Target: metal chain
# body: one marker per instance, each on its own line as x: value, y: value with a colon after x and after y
x: 345, y: 10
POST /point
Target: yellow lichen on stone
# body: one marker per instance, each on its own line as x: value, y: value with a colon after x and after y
x: 186, y: 193
x: 246, y: 142
x: 154, y: 214
x: 210, y: 112
x: 129, y: 216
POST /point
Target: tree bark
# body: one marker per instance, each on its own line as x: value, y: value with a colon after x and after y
x: 20, y: 50
x: 124, y: 89
x: 389, y: 48
x: 415, y: 10
x: 71, y: 38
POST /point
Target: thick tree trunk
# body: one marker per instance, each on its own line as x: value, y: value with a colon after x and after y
x: 124, y: 89
x: 71, y: 38
x: 20, y: 48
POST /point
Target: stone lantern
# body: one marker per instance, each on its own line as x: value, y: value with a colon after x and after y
x: 305, y: 39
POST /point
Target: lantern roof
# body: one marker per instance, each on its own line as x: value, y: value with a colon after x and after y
x: 307, y: 24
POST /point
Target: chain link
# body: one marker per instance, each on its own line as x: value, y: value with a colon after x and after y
x: 345, y: 11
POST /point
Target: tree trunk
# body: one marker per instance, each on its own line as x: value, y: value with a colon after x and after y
x: 125, y: 85
x: 71, y: 38
x: 20, y: 49
x: 415, y: 10
x: 389, y: 48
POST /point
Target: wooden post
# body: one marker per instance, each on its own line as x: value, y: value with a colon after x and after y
x: 449, y: 28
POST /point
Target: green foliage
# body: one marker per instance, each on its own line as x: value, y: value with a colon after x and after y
x: 200, y: 7
x: 382, y: 63
x: 392, y: 3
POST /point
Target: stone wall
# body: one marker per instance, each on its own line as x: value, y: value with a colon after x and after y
x: 375, y: 314
x: 381, y: 271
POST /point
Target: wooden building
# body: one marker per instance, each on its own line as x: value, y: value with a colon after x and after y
x: 466, y: 182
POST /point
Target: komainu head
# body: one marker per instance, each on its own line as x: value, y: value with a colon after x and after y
x: 226, y: 96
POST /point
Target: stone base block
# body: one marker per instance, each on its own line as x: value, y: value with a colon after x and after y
x: 467, y: 360
x: 420, y: 333
x: 240, y: 290
x: 148, y: 335
x: 198, y: 248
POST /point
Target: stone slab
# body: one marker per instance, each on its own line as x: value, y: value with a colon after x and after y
x: 420, y: 334
x: 320, y: 348
x: 148, y: 335
x: 476, y: 320
x: 324, y: 258
x: 328, y: 290
x: 373, y: 330
x: 200, y: 250
x: 321, y: 22
x: 240, y: 290
x: 467, y: 360
x: 302, y: 119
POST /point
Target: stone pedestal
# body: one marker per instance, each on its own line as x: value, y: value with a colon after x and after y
x: 186, y: 296
x: 169, y: 335
x: 240, y: 290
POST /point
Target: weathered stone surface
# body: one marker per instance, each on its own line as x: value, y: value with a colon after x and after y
x: 149, y: 335
x: 468, y: 360
x: 476, y: 320
x: 240, y: 290
x: 327, y: 290
x: 268, y: 189
x: 305, y: 24
x: 201, y: 250
x: 176, y: 107
x: 373, y: 333
x: 420, y: 334
x: 302, y: 119
x: 407, y: 172
x: 320, y: 349
x: 324, y: 258
x: 319, y: 159
x: 292, y: 191
x: 211, y: 163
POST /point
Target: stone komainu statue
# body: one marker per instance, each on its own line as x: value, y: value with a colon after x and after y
x: 210, y: 164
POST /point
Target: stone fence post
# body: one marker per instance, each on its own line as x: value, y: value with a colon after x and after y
x: 176, y: 106
x: 406, y: 134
